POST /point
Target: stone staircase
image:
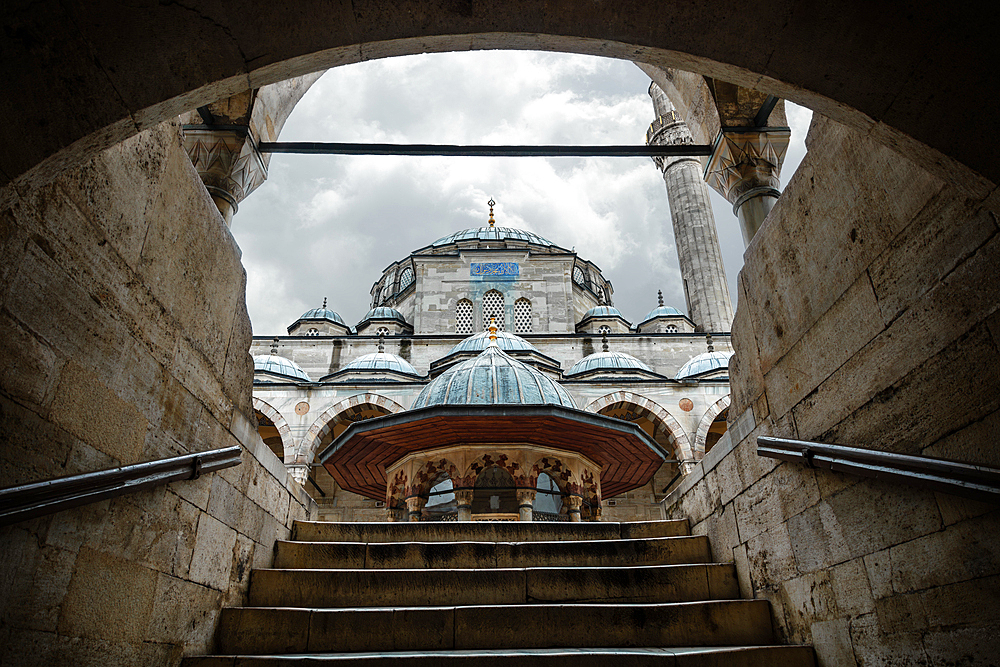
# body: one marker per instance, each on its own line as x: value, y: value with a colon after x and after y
x: 525, y: 594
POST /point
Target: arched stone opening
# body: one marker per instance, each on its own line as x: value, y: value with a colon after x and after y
x: 273, y: 430
x: 338, y: 417
x: 712, y: 427
x: 495, y: 494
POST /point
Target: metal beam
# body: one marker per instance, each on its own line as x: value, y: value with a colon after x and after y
x: 760, y: 120
x: 320, y: 148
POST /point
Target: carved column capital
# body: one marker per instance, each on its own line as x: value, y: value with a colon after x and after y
x: 573, y: 505
x: 228, y: 162
x: 415, y: 507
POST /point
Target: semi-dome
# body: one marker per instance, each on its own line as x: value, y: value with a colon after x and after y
x: 507, y: 342
x: 704, y: 362
x: 493, y: 234
x: 384, y: 313
x: 272, y: 363
x: 322, y: 314
x: 492, y: 378
x: 603, y: 311
x: 608, y: 361
x: 381, y: 361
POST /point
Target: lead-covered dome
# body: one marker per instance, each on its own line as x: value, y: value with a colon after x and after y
x: 661, y: 311
x: 322, y: 314
x: 507, y: 342
x: 493, y: 234
x: 380, y: 361
x: 384, y: 313
x: 492, y: 378
x: 278, y: 365
x: 603, y: 311
x: 608, y: 361
x: 703, y: 363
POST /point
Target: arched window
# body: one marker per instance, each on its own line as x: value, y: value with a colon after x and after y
x: 441, y: 492
x: 494, y: 492
x: 578, y: 276
x: 522, y: 316
x: 405, y: 278
x: 604, y: 329
x: 548, y: 497
x: 493, y: 309
x: 382, y: 331
x: 463, y: 317
x: 671, y: 328
x: 312, y: 332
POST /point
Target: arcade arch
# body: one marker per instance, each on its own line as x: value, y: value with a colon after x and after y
x: 273, y: 430
x: 712, y: 427
x: 335, y: 420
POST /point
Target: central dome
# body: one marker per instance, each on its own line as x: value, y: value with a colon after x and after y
x: 492, y: 378
x: 493, y: 234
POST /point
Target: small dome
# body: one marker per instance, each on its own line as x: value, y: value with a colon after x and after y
x: 493, y: 234
x: 381, y: 361
x: 384, y: 313
x: 322, y: 314
x: 603, y: 311
x: 704, y: 362
x: 272, y: 363
x: 608, y: 361
x: 492, y: 378
x: 661, y: 311
x: 507, y: 342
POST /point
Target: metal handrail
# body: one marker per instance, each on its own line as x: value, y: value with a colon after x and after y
x: 961, y: 479
x: 28, y: 501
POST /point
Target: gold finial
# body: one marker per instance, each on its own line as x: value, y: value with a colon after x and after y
x: 493, y: 331
x: 491, y: 203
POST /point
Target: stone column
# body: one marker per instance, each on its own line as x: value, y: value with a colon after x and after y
x: 525, y: 504
x: 394, y: 514
x: 299, y: 472
x: 573, y: 504
x: 227, y: 161
x: 697, y: 241
x: 745, y: 168
x: 463, y: 498
x: 415, y: 507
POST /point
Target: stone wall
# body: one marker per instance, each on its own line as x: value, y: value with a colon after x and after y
x: 125, y: 339
x: 867, y: 317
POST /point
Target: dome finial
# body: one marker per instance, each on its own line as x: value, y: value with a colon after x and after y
x: 491, y: 203
x: 381, y: 342
x: 659, y: 297
x: 324, y: 303
x: 493, y: 331
x: 604, y: 342
x: 274, y: 346
x: 708, y: 339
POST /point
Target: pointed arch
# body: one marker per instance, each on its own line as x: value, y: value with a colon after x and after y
x: 488, y: 460
x: 522, y: 315
x: 322, y: 427
x: 681, y: 441
x: 428, y: 474
x: 463, y: 317
x: 493, y: 308
x: 701, y: 435
x: 266, y: 409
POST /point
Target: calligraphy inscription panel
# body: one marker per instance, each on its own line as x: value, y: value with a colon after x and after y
x: 495, y: 269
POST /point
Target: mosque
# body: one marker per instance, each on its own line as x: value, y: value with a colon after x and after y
x: 498, y: 318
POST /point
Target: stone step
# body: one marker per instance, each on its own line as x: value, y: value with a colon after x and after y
x: 268, y: 630
x: 729, y: 656
x: 413, y: 588
x: 484, y: 531
x: 480, y: 555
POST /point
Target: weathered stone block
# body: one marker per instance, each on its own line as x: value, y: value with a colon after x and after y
x: 184, y: 613
x: 212, y: 559
x: 970, y: 548
x: 771, y: 557
x: 852, y: 588
x: 832, y: 642
x: 817, y: 539
x: 108, y: 598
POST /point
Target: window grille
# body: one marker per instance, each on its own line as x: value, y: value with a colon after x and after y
x: 312, y: 332
x: 382, y: 331
x: 493, y: 309
x: 463, y: 317
x: 578, y: 276
x: 405, y: 278
x: 604, y: 329
x: 522, y: 316
x: 671, y: 328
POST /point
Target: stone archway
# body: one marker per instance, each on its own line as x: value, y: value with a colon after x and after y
x: 701, y: 435
x: 287, y: 444
x: 170, y: 59
x: 321, y: 431
x: 681, y: 443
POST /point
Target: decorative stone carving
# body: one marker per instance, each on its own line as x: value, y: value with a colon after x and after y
x: 525, y: 503
x: 463, y: 499
x: 415, y: 507
x: 228, y: 162
x: 573, y: 504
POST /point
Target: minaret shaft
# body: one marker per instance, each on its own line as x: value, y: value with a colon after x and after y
x: 695, y: 236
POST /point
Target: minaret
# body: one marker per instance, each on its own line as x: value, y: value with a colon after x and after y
x: 697, y: 242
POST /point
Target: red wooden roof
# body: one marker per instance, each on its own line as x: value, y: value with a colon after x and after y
x: 357, y: 459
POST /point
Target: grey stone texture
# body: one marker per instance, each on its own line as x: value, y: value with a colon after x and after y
x: 115, y: 352
x: 865, y: 317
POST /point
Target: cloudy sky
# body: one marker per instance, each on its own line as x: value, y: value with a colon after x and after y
x: 326, y: 226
